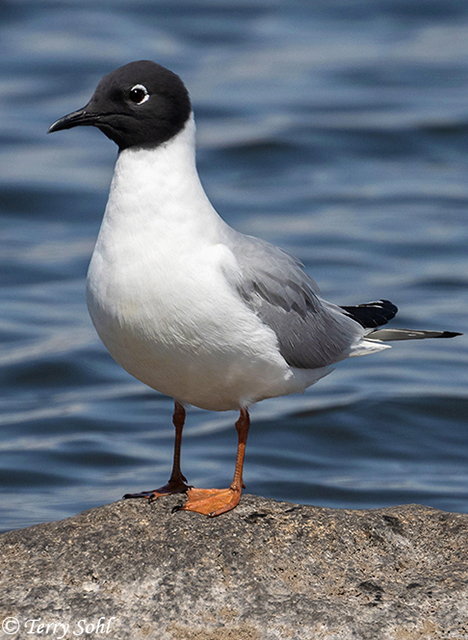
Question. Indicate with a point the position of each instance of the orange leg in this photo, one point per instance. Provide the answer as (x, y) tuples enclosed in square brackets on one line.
[(177, 482), (213, 502)]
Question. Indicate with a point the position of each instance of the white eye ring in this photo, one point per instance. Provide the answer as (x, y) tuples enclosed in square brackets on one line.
[(139, 89)]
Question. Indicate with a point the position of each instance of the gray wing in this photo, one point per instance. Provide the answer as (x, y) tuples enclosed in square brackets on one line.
[(311, 332)]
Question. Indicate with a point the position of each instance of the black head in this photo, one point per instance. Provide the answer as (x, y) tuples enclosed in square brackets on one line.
[(139, 104)]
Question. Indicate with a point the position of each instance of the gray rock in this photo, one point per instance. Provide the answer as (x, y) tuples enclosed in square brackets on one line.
[(265, 570)]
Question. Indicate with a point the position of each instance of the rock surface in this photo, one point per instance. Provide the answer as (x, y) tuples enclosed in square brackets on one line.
[(265, 570)]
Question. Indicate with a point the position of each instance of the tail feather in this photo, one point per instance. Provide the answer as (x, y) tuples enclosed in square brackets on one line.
[(387, 335)]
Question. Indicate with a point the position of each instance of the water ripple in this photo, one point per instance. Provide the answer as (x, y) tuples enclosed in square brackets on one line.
[(337, 130)]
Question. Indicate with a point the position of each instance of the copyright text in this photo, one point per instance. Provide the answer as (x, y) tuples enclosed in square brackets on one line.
[(37, 626)]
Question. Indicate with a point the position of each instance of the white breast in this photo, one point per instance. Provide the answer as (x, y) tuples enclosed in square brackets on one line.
[(157, 294)]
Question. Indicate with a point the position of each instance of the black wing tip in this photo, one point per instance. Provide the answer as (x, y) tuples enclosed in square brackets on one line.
[(372, 314)]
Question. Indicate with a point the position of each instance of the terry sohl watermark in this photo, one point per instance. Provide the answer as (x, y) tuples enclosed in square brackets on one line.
[(37, 627)]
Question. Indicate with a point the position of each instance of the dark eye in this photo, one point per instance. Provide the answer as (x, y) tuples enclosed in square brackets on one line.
[(139, 94)]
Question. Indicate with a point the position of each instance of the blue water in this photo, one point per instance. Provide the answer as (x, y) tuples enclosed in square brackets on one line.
[(337, 129)]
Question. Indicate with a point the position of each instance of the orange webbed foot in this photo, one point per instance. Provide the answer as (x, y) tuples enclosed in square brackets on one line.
[(211, 502)]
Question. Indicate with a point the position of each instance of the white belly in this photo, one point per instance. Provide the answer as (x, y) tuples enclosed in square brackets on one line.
[(183, 331)]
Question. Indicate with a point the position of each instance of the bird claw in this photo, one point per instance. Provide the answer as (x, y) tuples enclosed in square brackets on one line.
[(179, 486), (142, 494)]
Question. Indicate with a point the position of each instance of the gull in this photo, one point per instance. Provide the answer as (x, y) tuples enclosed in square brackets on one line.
[(194, 309)]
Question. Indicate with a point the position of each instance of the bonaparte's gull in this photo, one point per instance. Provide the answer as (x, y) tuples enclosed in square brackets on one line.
[(188, 305)]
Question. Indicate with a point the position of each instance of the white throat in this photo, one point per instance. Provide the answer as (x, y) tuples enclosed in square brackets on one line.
[(160, 189)]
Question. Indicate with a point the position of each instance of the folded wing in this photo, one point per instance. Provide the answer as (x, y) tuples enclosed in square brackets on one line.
[(311, 332)]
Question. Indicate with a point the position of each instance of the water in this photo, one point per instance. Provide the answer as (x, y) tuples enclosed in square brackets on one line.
[(336, 129)]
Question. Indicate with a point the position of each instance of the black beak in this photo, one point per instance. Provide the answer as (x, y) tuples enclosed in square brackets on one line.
[(80, 118)]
